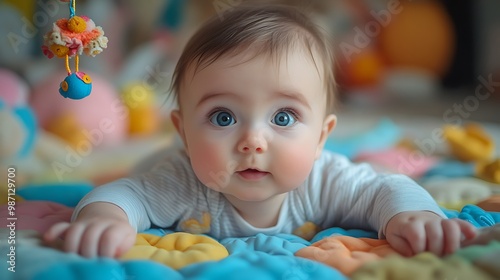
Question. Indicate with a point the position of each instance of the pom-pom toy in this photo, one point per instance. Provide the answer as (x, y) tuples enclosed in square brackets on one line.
[(70, 38), (470, 143)]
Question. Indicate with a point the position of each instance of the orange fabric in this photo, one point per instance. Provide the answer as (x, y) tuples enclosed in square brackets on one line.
[(346, 253), (490, 204), (85, 37)]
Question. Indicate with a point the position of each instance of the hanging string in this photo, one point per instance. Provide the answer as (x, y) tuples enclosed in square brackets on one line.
[(72, 11), (67, 65), (72, 8)]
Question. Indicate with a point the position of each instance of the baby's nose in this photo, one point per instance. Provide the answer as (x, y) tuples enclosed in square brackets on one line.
[(253, 143)]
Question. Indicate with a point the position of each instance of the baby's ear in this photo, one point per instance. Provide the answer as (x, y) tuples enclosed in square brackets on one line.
[(176, 117), (328, 126)]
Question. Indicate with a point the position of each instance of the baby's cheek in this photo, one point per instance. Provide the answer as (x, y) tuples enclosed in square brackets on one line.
[(296, 165), (211, 167)]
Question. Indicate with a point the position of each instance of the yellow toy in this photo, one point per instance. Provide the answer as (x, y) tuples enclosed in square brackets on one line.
[(307, 231), (470, 143), (143, 114), (176, 250), (489, 171)]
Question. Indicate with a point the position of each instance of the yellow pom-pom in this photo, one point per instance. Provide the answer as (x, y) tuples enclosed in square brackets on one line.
[(176, 250), (307, 231), (77, 24), (489, 171), (470, 143), (143, 116), (59, 50)]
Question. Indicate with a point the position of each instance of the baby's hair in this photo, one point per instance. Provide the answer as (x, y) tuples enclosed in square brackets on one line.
[(271, 30)]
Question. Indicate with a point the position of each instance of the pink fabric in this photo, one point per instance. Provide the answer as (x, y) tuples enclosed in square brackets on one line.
[(13, 90), (399, 160), (101, 115), (36, 215)]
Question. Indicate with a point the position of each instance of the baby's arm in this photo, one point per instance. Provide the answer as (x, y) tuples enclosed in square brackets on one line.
[(414, 232), (100, 229)]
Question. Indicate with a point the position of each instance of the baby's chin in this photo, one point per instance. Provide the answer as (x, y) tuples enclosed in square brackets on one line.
[(250, 196)]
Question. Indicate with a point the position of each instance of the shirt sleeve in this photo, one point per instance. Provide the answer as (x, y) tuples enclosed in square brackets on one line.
[(355, 196), (158, 197)]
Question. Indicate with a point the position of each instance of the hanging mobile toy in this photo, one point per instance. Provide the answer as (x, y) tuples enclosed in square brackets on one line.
[(70, 38)]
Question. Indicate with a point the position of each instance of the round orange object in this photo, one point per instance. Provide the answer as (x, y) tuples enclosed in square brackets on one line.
[(64, 85), (77, 24), (87, 79), (421, 36), (59, 50), (367, 68), (363, 69)]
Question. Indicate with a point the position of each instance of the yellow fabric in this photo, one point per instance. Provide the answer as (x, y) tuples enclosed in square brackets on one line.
[(143, 115), (177, 249), (489, 171), (489, 263), (196, 227), (307, 231), (470, 143), (422, 266)]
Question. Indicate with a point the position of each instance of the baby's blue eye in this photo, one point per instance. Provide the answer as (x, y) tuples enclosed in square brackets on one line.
[(284, 118), (222, 118)]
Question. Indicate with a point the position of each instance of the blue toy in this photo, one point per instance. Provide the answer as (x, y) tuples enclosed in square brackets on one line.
[(76, 86), (70, 38)]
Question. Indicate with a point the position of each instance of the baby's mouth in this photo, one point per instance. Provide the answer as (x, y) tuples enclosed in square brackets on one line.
[(251, 174)]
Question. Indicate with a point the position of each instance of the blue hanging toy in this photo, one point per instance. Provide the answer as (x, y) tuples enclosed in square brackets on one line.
[(70, 38)]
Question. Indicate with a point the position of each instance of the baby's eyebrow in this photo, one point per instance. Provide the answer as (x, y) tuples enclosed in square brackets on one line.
[(288, 94), (212, 95), (294, 95)]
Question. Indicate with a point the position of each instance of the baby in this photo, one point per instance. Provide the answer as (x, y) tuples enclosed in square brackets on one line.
[(255, 93)]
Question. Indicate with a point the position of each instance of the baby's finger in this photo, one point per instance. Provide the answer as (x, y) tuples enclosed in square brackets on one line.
[(110, 241), (127, 243), (115, 247), (90, 240), (55, 231), (73, 237), (467, 229), (415, 235), (452, 235), (434, 237), (401, 246)]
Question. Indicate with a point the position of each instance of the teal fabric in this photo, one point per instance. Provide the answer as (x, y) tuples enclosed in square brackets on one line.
[(254, 257), (68, 194), (383, 135)]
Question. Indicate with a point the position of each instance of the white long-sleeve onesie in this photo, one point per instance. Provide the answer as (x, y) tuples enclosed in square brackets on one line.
[(336, 193)]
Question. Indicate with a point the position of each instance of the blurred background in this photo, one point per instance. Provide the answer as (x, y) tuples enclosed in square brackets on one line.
[(415, 56), (407, 60)]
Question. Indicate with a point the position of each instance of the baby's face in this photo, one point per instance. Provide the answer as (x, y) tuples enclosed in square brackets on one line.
[(254, 129)]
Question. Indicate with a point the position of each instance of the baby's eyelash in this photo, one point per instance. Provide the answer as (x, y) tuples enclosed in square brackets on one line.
[(216, 110), (291, 111)]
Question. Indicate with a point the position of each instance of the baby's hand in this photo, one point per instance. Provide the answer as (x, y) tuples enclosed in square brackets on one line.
[(411, 233), (93, 237), (100, 229)]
